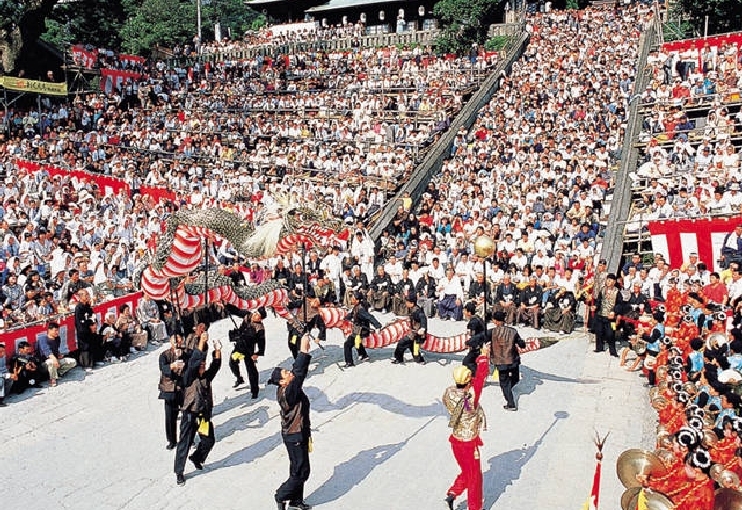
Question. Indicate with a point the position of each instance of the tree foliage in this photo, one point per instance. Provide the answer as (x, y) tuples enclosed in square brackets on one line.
[(86, 22), (463, 22), (233, 15), (723, 15)]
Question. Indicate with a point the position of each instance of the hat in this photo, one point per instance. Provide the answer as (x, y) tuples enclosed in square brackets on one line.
[(275, 377), (461, 375)]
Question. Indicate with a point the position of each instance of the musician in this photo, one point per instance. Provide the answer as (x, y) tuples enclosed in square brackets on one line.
[(605, 315), (380, 290), (417, 335), (698, 491), (249, 346), (529, 299), (506, 297), (403, 287), (475, 328), (361, 320)]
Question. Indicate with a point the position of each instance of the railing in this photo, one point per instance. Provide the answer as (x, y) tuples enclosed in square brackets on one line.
[(621, 204), (414, 37), (442, 148)]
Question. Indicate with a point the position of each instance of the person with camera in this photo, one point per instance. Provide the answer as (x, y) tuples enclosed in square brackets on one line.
[(172, 362), (466, 421), (198, 403), (249, 344), (295, 427), (31, 370)]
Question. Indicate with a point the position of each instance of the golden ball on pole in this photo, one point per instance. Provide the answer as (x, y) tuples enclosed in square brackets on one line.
[(484, 246)]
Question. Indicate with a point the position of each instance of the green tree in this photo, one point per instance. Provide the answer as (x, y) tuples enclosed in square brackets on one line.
[(154, 22), (723, 15), (463, 22), (233, 15), (86, 22), (21, 23)]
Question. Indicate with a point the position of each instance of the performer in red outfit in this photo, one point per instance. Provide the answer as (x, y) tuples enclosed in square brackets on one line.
[(698, 492), (467, 419)]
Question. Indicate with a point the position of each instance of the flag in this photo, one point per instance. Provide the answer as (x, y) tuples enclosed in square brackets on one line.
[(641, 502), (592, 500)]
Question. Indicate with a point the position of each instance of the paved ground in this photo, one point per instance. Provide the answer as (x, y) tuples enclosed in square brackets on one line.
[(380, 435)]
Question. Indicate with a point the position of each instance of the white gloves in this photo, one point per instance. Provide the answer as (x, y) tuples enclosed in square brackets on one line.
[(421, 331), (217, 345)]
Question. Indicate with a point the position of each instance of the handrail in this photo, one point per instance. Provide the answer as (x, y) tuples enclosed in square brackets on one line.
[(620, 209), (442, 148)]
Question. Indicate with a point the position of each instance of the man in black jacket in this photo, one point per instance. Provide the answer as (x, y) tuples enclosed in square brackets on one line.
[(295, 427), (249, 345), (475, 327), (172, 362), (504, 354), (198, 403), (361, 320), (85, 331), (417, 335)]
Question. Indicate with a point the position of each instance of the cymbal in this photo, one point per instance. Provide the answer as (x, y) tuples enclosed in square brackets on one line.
[(728, 499), (665, 455), (627, 496), (709, 438), (638, 462), (655, 501)]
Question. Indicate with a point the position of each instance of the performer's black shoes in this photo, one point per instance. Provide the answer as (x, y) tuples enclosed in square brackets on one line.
[(280, 505), (449, 501), (510, 408), (348, 365), (298, 506), (397, 362), (170, 446), (180, 479), (239, 382), (196, 463), (363, 358)]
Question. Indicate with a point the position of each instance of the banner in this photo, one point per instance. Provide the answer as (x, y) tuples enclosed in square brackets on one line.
[(677, 239), (112, 79), (84, 58), (66, 322), (38, 87)]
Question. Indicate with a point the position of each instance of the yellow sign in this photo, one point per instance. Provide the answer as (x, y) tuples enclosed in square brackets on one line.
[(39, 87)]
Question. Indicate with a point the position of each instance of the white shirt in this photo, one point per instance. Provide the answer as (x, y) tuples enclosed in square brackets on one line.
[(452, 286)]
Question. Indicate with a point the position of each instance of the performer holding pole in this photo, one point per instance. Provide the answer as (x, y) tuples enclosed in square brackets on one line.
[(362, 321), (198, 404), (467, 419), (295, 427), (417, 335)]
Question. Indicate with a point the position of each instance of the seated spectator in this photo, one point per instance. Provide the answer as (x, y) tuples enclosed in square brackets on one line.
[(48, 349), (30, 369)]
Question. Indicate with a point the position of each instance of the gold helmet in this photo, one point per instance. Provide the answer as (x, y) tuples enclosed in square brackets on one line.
[(461, 375)]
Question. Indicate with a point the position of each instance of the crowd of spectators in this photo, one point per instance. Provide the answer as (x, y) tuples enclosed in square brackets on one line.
[(689, 163), (344, 128)]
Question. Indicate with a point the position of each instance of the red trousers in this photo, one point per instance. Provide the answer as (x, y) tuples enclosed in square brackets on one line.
[(470, 478)]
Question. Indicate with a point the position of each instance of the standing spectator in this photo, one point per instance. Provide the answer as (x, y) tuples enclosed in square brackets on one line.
[(88, 344)]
